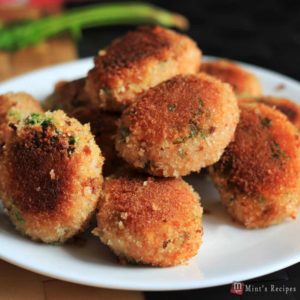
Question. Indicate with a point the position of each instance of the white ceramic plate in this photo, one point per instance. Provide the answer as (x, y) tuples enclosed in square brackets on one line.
[(229, 252)]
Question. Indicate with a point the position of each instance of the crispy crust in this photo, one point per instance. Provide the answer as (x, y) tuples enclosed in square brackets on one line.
[(52, 177), (71, 98), (244, 83), (150, 220), (258, 174), (286, 106), (68, 96), (33, 156), (137, 61), (104, 128), (13, 107), (179, 126)]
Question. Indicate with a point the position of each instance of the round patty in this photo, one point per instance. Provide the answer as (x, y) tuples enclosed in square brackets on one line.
[(137, 61), (156, 221), (178, 126), (244, 83), (52, 176), (258, 174)]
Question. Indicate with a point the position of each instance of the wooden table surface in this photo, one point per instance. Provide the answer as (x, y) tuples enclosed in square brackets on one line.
[(20, 284)]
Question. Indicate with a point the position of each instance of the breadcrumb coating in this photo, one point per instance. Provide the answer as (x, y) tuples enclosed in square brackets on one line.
[(68, 96), (14, 107), (147, 220), (244, 83), (137, 61), (178, 126), (286, 106), (104, 128), (72, 99), (52, 176), (258, 174)]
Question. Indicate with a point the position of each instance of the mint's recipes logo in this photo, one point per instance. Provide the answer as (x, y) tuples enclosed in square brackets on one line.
[(237, 288), (240, 288)]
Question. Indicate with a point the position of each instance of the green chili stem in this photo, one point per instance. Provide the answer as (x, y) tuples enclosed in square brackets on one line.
[(30, 33)]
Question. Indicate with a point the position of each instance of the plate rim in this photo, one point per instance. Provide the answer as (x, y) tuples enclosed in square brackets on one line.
[(193, 284)]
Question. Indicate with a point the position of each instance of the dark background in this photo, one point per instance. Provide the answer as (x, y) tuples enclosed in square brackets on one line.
[(265, 33)]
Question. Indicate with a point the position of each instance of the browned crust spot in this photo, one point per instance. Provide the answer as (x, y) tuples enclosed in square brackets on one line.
[(141, 201), (289, 111), (68, 96), (134, 47), (286, 106), (130, 53), (265, 154), (104, 128), (40, 172), (171, 108), (242, 81)]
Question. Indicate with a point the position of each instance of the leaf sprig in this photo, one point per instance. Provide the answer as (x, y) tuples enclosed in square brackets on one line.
[(14, 37)]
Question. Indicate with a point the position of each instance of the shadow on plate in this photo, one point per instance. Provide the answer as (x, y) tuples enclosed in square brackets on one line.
[(214, 212)]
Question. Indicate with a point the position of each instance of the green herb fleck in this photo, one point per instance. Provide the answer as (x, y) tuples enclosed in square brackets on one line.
[(124, 132), (36, 119), (72, 140), (179, 140), (47, 122), (276, 151), (33, 119), (17, 214), (200, 107), (266, 122), (194, 130), (14, 113), (181, 153), (171, 107), (19, 217), (203, 134), (261, 199)]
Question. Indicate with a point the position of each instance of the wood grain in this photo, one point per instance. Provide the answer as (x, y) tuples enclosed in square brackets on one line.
[(52, 51), (19, 284)]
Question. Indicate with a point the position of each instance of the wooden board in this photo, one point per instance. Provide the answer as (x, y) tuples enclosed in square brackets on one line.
[(50, 52), (19, 284), (53, 51)]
